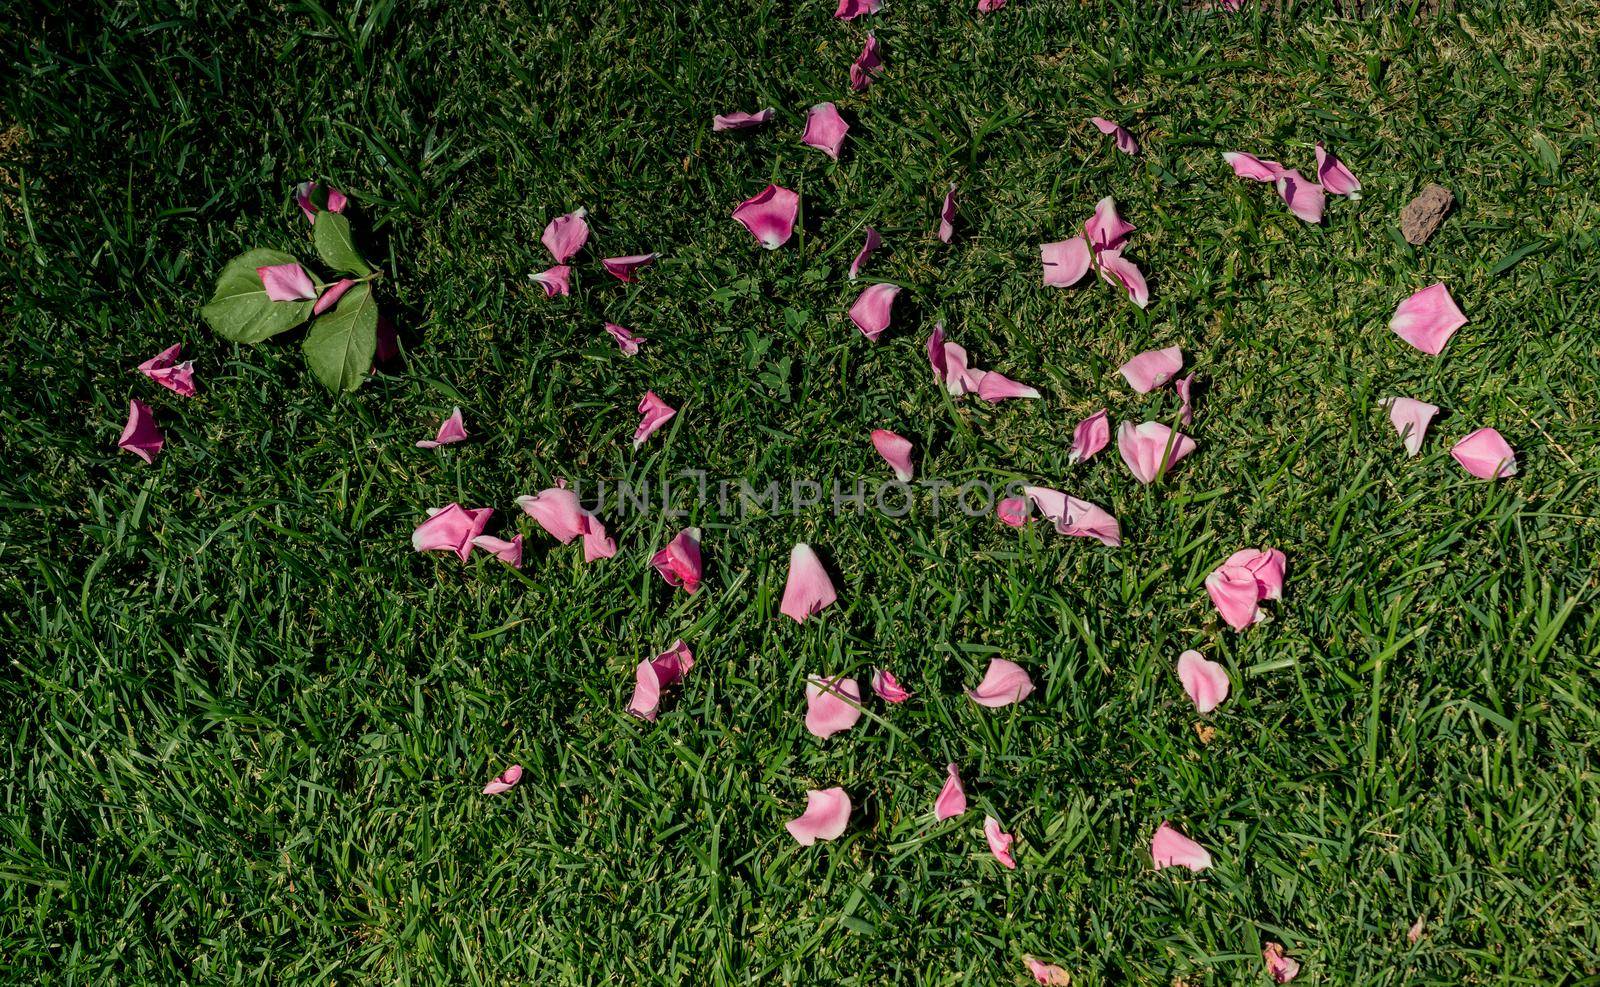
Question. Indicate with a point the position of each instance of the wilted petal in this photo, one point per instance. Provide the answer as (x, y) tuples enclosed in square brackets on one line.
[(140, 435), (451, 529), (1004, 683), (1116, 269), (1250, 166), (1280, 968), (556, 281), (331, 295), (871, 310), (896, 451), (832, 706), (566, 235), (450, 430), (653, 413), (741, 120), (1012, 511), (1125, 141), (1091, 435), (1047, 973), (867, 64), (679, 563), (1410, 418), (504, 781), (947, 215), (809, 589), (769, 215), (509, 552), (872, 243), (1428, 319), (1105, 230), (1205, 681), (626, 341), (1486, 455), (1334, 176), (1171, 848), (825, 129), (888, 687), (1152, 368), (1150, 449), (1185, 389), (1065, 261), (1236, 594), (995, 387), (952, 800), (286, 283), (1304, 199), (849, 10), (164, 369), (650, 677), (627, 268), (999, 842), (826, 816)]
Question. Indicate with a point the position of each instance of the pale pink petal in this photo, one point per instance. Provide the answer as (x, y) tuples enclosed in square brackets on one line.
[(867, 65), (1152, 368), (557, 511), (627, 268), (947, 215), (596, 543), (1004, 683), (164, 369), (872, 243), (1280, 968), (509, 552), (1151, 449), (336, 200), (999, 842), (650, 677), (140, 435), (1116, 269), (1065, 261), (1250, 166), (849, 10), (654, 413), (1428, 319), (1205, 681), (1091, 435), (1236, 594), (1052, 504), (679, 563), (626, 341), (504, 781), (871, 310), (451, 529), (995, 387), (826, 816), (960, 378), (331, 295), (1486, 455), (1105, 230), (832, 705), (1410, 418), (809, 589), (1125, 140), (1171, 848), (555, 281), (286, 283), (769, 215), (1334, 176), (888, 687), (566, 235), (1012, 511), (1268, 566), (1185, 389), (1305, 199), (741, 120), (952, 799), (1085, 520), (896, 451), (825, 129), (450, 430), (1047, 973)]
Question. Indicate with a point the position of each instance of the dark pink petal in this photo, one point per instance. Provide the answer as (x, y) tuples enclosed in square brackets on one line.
[(1004, 683), (1410, 418), (1236, 595), (556, 281), (653, 413), (999, 842), (1065, 261), (988, 6), (832, 705), (1076, 518), (1280, 968), (1151, 449), (870, 245), (1047, 973), (947, 215), (557, 511), (1334, 176), (504, 781), (305, 196), (331, 295), (952, 799), (287, 283), (451, 529), (164, 369), (1105, 230), (1125, 140), (1486, 455), (509, 552), (1205, 681), (626, 341), (1152, 368), (826, 816), (1171, 848), (1116, 269), (825, 130), (769, 215), (809, 589), (1012, 511), (867, 66), (1428, 319), (336, 200), (849, 10), (450, 430), (1185, 389), (140, 435), (1091, 435), (1304, 199), (888, 687), (936, 356), (1250, 166), (740, 120), (679, 563), (896, 451), (995, 387), (627, 268), (661, 672), (872, 309), (566, 235)]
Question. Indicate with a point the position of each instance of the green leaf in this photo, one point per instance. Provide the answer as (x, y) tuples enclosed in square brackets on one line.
[(331, 234), (342, 343), (240, 309)]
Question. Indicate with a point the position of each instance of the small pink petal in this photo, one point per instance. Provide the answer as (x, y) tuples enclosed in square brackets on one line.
[(995, 387), (504, 781), (961, 379), (1250, 166), (1410, 418), (1105, 230), (1428, 319), (1004, 683), (769, 215), (888, 687), (1268, 566), (1205, 681), (947, 215), (1151, 449), (305, 198), (1185, 389), (336, 200), (1047, 973), (627, 268), (832, 705), (825, 129), (679, 563), (140, 435), (1116, 269), (872, 309), (872, 243), (1152, 368), (849, 10), (331, 295), (451, 529), (164, 369), (999, 842), (952, 799), (809, 589), (1280, 968), (1091, 435), (450, 430), (1065, 261), (989, 6), (650, 677), (1334, 176), (1236, 595), (557, 511), (826, 816), (1304, 199), (741, 120), (1171, 848), (1012, 511), (626, 341), (936, 354), (1074, 517), (509, 552), (1486, 455), (566, 235), (896, 451), (1125, 140), (654, 413), (867, 66), (555, 281), (286, 283)]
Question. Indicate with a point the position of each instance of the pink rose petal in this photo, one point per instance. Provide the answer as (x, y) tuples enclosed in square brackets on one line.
[(999, 842), (1074, 517), (555, 281), (989, 6), (1334, 176), (947, 215), (1065, 261), (952, 799), (504, 781), (1151, 449), (896, 451), (867, 66), (140, 435), (1305, 199), (627, 268), (868, 248), (769, 215), (305, 196), (451, 529), (1410, 418), (832, 705), (566, 235), (1205, 681), (872, 309), (1012, 511), (849, 10), (1091, 435), (826, 816), (679, 563), (995, 387), (1185, 387), (450, 430), (650, 677), (331, 295), (809, 589), (1486, 455), (1428, 319), (164, 369), (653, 413), (741, 120), (557, 511), (1280, 968), (825, 129), (1246, 578), (1152, 368), (888, 687), (509, 552), (1124, 140), (1249, 166), (626, 341), (1171, 848), (286, 283), (1106, 230), (1004, 683), (1047, 973), (1116, 269)]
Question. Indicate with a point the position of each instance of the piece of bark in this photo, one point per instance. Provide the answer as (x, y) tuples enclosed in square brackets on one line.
[(1421, 219)]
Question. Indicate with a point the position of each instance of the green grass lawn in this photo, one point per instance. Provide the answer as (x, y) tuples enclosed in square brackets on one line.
[(246, 725)]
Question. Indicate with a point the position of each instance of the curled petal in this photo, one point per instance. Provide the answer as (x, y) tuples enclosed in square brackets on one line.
[(1334, 176), (566, 235), (947, 215), (627, 268), (504, 781), (1267, 566), (509, 552), (626, 341), (999, 842), (651, 676), (331, 295), (1250, 166), (1086, 520), (1151, 449), (1125, 140), (679, 563), (1236, 595), (809, 589), (1004, 683), (1091, 435), (989, 6), (826, 816), (1116, 269), (1304, 199), (308, 194), (769, 215), (1428, 319), (1171, 848), (1152, 368), (888, 687), (1410, 418), (849, 10), (1065, 261), (741, 120), (1012, 511), (825, 129), (653, 413), (557, 511), (286, 283), (451, 529), (995, 387), (555, 281), (1047, 973), (450, 430), (1486, 455), (872, 309), (832, 705), (870, 246), (1280, 968), (1105, 230), (1205, 681), (952, 800), (896, 451), (867, 66), (140, 435), (165, 369), (1185, 389)]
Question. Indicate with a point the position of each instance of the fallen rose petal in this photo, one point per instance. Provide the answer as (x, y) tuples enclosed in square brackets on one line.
[(769, 215), (832, 705), (1047, 973), (451, 529), (849, 10), (1012, 511), (1280, 968), (556, 281), (1267, 567), (1334, 176), (867, 65), (872, 243), (1105, 230), (651, 676), (988, 6), (1151, 449), (825, 129), (888, 687), (1205, 681), (1428, 319), (626, 341), (961, 379), (1236, 595), (872, 309), (947, 215), (1185, 387), (1486, 455), (996, 387), (999, 842), (509, 552), (1004, 683), (1125, 140), (1304, 199), (566, 235), (1171, 848), (1250, 166), (627, 268), (1065, 261), (1091, 435), (741, 120), (826, 816), (679, 563), (140, 435), (1410, 418), (809, 589), (1116, 269), (305, 196), (164, 369), (1085, 520), (896, 451), (331, 295), (450, 430), (557, 511), (654, 413), (952, 798), (286, 283), (1152, 368), (504, 781)]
